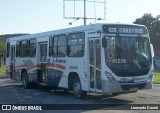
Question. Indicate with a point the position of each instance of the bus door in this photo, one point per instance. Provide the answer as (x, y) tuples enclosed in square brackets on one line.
[(43, 62), (95, 64), (12, 62)]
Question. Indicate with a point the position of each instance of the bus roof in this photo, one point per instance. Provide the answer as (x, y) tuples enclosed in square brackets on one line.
[(97, 26)]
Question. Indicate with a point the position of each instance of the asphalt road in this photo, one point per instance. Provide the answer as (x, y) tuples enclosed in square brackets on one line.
[(12, 92)]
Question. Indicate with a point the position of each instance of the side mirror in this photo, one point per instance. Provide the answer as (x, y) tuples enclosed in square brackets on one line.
[(152, 50), (104, 42)]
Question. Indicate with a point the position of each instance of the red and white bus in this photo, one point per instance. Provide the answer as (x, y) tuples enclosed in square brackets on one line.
[(101, 58)]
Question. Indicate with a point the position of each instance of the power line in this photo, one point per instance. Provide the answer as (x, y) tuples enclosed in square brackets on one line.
[(75, 17)]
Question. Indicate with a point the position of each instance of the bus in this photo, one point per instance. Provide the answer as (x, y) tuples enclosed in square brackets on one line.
[(100, 58)]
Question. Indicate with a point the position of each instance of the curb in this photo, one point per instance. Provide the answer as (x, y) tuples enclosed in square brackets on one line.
[(157, 85), (3, 74)]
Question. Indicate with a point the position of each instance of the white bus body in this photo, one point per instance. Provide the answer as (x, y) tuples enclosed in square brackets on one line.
[(103, 58)]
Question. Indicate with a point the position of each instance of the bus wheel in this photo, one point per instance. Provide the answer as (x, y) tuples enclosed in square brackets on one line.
[(77, 89), (115, 94), (25, 81)]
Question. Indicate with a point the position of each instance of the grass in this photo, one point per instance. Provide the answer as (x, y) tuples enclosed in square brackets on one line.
[(156, 77), (3, 69)]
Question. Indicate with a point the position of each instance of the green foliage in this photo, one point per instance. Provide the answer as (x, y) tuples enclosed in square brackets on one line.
[(153, 25), (2, 46), (156, 78), (11, 35), (3, 69), (3, 39)]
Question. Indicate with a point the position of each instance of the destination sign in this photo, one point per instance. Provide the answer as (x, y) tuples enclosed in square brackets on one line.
[(124, 29)]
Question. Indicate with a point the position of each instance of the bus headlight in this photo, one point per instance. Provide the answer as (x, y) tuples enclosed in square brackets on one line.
[(110, 77)]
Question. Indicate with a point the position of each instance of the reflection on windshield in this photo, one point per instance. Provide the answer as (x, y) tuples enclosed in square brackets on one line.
[(128, 56)]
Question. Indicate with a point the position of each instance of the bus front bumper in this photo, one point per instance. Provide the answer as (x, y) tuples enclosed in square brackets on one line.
[(115, 87)]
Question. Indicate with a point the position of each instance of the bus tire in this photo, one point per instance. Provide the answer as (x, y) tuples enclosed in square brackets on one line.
[(77, 89), (25, 81), (115, 94)]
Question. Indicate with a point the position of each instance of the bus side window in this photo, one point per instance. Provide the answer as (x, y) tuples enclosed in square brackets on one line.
[(76, 44), (17, 49), (62, 46), (24, 48), (8, 49), (54, 45), (50, 46), (59, 46), (32, 48)]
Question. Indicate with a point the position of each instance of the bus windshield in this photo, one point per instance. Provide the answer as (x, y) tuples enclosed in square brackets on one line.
[(128, 55)]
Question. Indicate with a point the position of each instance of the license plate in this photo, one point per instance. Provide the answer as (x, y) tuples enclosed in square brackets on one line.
[(133, 89)]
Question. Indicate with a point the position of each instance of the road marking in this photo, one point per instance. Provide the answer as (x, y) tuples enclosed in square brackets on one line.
[(28, 97), (38, 93), (22, 100), (17, 94)]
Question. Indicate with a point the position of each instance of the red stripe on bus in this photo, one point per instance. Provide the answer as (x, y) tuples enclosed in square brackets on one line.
[(57, 66), (21, 66), (34, 66)]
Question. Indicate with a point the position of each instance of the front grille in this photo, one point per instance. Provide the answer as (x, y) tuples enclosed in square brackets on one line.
[(128, 87)]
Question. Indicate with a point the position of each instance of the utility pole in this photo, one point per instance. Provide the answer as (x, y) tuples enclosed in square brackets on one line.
[(84, 7), (85, 12)]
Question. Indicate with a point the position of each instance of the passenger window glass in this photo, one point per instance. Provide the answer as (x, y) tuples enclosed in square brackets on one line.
[(75, 45), (24, 48), (32, 48), (59, 46)]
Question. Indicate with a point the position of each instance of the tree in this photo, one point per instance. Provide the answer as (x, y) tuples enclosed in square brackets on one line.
[(3, 39), (153, 25), (2, 46), (2, 49)]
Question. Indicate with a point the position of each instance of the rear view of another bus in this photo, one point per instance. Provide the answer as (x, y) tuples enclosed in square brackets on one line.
[(128, 58)]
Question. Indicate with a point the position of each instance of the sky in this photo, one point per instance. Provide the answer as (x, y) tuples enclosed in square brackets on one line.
[(34, 16)]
